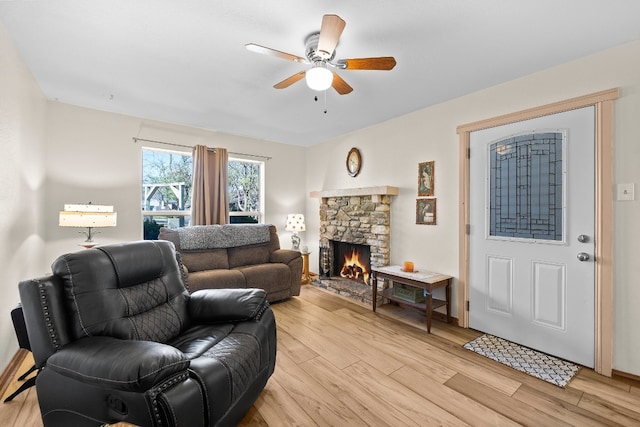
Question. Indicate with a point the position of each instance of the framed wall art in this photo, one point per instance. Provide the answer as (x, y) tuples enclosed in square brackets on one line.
[(426, 211), (426, 182)]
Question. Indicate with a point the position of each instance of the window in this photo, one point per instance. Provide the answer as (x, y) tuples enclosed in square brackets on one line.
[(166, 190), (246, 198), (526, 187)]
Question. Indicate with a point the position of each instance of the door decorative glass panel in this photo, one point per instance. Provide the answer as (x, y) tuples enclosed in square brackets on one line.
[(526, 186)]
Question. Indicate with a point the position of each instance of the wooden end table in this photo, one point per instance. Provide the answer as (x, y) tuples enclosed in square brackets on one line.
[(306, 277), (420, 278)]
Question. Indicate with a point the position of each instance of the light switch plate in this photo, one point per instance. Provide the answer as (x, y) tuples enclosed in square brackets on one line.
[(626, 192)]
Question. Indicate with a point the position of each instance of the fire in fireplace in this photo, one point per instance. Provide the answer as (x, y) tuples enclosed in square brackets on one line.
[(354, 269), (352, 261)]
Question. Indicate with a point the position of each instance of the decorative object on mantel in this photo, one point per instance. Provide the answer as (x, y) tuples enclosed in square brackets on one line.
[(354, 162), (426, 211), (87, 216), (295, 223), (426, 179)]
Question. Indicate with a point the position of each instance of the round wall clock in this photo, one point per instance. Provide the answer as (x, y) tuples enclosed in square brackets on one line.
[(354, 162)]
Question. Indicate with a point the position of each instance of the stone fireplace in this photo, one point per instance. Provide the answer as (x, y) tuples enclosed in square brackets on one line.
[(361, 219)]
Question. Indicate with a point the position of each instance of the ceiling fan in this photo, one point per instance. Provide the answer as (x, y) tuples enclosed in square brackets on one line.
[(320, 52)]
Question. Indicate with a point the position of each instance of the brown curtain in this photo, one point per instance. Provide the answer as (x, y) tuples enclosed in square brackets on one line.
[(209, 200)]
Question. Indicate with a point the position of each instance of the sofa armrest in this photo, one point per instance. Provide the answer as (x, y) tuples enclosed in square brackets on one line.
[(118, 364), (227, 305), (284, 256)]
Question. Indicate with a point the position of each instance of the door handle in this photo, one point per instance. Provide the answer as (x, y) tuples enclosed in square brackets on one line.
[(583, 256)]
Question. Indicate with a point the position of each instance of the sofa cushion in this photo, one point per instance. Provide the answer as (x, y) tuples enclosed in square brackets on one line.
[(216, 279), (205, 260), (270, 277), (248, 255), (170, 235)]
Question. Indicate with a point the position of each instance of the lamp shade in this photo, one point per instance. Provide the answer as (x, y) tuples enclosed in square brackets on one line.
[(87, 216), (295, 223), (319, 78)]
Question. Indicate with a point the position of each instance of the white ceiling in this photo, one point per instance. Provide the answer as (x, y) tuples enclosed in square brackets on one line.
[(185, 62)]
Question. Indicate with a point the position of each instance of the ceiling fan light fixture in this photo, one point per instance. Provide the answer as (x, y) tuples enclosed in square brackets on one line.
[(319, 78)]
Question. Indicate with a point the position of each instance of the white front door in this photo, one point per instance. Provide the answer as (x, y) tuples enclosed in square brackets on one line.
[(531, 267)]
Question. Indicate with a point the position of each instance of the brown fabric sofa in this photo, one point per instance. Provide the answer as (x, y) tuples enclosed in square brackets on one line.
[(237, 256)]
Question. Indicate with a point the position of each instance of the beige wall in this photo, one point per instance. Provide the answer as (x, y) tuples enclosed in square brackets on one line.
[(392, 150), (22, 112)]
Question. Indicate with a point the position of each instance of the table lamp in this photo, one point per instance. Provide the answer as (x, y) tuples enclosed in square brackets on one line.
[(295, 223), (88, 216)]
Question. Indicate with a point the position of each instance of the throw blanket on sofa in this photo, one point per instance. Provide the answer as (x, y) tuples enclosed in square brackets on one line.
[(222, 236)]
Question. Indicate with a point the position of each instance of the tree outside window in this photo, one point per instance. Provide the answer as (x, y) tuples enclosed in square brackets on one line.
[(244, 191), (166, 180)]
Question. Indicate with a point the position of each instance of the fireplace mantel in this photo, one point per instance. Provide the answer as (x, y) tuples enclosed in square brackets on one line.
[(382, 190)]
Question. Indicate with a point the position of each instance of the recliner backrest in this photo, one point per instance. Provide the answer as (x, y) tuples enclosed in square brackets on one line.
[(128, 291)]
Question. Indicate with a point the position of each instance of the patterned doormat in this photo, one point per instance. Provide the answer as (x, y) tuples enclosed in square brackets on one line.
[(548, 368)]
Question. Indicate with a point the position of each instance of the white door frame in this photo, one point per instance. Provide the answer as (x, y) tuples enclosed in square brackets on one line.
[(603, 103)]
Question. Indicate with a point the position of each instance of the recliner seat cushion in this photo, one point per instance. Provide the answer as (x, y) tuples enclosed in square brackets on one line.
[(114, 363)]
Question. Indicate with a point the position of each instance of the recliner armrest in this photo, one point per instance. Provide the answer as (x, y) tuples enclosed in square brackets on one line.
[(118, 364), (284, 256), (227, 305)]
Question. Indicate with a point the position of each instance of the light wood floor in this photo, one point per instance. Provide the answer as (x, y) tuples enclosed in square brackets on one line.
[(339, 364)]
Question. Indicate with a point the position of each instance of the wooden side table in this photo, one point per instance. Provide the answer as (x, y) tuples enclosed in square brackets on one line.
[(422, 279), (306, 278)]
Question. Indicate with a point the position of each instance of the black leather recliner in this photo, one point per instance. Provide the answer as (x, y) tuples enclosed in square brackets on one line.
[(117, 337)]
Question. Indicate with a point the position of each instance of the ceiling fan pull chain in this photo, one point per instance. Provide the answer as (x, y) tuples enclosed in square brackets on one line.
[(325, 102)]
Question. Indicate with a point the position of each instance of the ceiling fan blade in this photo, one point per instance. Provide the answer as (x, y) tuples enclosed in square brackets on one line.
[(332, 26), (381, 63), (289, 80), (272, 52), (340, 85)]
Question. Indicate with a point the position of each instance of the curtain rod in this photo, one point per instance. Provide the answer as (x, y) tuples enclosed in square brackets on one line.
[(136, 139)]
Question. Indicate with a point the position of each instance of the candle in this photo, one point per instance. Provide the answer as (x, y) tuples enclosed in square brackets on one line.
[(408, 266)]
